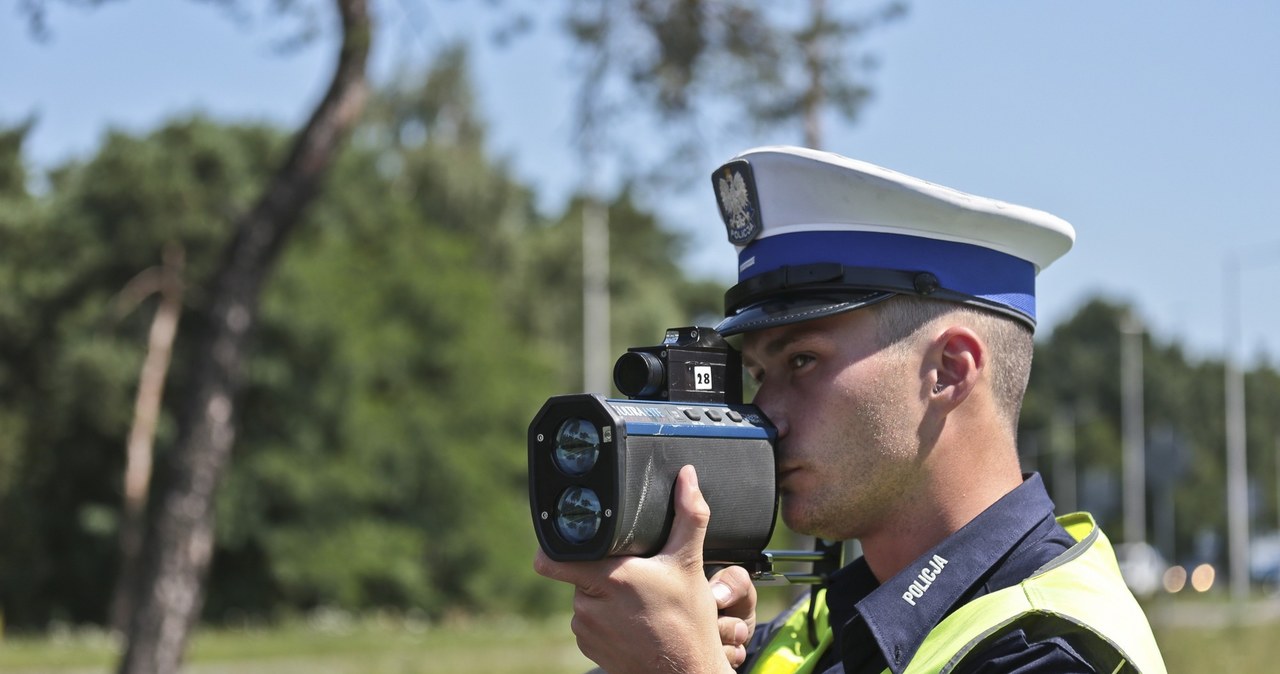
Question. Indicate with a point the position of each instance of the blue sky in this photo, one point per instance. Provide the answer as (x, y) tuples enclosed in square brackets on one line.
[(1153, 127)]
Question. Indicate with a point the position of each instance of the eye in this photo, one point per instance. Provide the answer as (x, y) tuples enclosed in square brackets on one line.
[(799, 360)]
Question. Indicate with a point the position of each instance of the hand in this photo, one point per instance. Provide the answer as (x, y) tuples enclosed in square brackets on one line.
[(736, 598), (655, 614)]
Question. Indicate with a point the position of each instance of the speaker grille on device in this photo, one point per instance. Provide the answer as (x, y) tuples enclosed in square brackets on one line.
[(736, 477)]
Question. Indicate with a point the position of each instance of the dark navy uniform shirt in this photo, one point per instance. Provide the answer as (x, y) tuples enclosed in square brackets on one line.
[(879, 626)]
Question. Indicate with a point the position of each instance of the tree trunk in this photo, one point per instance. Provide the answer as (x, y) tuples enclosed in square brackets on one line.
[(180, 537), (146, 414)]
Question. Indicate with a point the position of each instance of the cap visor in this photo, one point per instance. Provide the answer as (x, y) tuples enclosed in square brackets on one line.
[(777, 311)]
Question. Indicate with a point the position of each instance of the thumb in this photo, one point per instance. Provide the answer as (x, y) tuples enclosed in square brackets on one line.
[(689, 529)]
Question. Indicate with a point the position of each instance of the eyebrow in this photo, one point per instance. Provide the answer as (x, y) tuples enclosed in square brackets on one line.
[(781, 342)]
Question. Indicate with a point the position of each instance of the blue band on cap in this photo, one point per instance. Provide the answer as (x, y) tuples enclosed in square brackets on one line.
[(980, 272)]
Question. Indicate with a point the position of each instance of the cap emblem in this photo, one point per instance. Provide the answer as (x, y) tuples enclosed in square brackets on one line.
[(739, 207)]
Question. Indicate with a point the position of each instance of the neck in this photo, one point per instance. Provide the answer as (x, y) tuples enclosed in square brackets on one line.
[(958, 486)]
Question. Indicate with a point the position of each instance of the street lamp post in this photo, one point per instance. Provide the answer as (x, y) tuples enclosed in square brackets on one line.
[(1237, 475), (1237, 480)]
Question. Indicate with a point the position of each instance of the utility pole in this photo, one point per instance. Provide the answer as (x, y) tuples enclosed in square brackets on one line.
[(1133, 423), (1236, 438), (595, 295), (1237, 477), (591, 143)]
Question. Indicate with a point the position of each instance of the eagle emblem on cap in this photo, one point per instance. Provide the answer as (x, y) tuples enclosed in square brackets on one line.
[(735, 193)]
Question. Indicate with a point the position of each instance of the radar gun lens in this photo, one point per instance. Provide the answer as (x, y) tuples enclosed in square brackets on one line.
[(577, 447), (578, 515)]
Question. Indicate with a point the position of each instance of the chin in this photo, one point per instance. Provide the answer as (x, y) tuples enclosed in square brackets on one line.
[(796, 516), (806, 518)]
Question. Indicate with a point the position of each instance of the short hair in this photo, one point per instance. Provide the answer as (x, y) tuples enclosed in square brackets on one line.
[(1010, 341)]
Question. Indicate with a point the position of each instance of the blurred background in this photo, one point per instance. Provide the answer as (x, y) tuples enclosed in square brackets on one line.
[(425, 287)]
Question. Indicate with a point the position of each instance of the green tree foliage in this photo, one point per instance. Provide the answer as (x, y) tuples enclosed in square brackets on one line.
[(405, 485), (1076, 382), (70, 363), (414, 326)]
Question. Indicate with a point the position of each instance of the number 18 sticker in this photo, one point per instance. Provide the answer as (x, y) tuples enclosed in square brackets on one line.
[(702, 377)]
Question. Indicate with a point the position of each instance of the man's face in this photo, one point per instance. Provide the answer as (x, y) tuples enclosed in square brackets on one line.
[(847, 414)]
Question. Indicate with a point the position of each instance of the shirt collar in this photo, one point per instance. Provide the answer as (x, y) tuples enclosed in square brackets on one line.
[(901, 612)]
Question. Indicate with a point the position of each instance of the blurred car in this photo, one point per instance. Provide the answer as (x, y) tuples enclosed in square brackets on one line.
[(1142, 567), (1264, 560)]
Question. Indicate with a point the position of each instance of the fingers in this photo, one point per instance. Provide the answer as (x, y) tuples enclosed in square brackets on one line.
[(735, 594), (548, 568), (735, 598), (736, 655), (689, 529), (733, 632), (588, 577)]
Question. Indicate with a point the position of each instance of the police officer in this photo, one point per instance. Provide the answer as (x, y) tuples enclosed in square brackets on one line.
[(889, 324)]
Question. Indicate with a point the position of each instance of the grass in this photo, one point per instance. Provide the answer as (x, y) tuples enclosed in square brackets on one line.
[(328, 646), (1195, 636), (1246, 648), (1207, 634)]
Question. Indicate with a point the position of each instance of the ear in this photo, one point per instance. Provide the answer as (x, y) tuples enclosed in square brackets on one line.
[(958, 356)]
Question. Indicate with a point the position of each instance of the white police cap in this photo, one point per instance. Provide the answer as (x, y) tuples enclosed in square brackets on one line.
[(819, 234)]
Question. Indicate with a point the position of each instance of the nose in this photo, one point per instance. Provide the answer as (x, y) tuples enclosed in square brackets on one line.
[(772, 407)]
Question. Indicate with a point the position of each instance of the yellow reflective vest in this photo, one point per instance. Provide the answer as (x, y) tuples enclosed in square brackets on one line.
[(1079, 593)]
